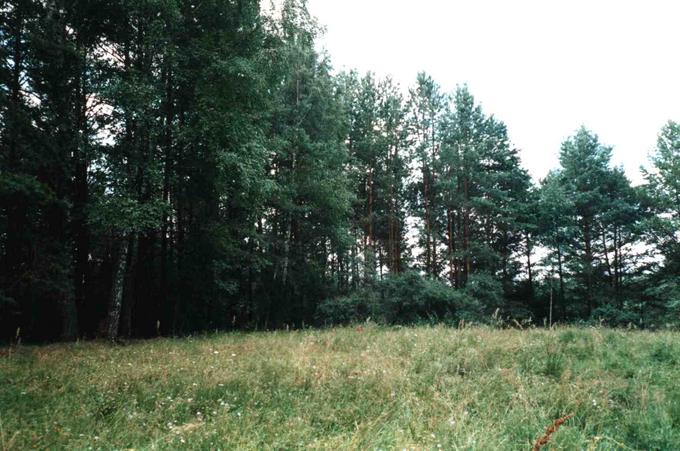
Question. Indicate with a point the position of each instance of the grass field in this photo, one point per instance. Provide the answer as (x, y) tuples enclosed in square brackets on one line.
[(363, 387)]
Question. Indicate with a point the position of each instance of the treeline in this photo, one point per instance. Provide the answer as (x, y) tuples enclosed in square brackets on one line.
[(176, 166)]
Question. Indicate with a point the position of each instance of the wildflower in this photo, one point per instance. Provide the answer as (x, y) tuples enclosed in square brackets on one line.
[(233, 355)]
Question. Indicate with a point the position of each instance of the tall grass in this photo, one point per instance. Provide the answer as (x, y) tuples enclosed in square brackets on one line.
[(348, 388)]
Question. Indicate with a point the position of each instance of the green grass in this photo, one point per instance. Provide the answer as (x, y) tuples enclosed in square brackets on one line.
[(348, 388)]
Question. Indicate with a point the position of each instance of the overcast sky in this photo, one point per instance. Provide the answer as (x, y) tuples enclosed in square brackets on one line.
[(542, 67)]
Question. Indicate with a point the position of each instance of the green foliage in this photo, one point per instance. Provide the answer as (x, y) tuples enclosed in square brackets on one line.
[(487, 290), (124, 215), (22, 186), (613, 316), (184, 166), (661, 230), (589, 217), (402, 299)]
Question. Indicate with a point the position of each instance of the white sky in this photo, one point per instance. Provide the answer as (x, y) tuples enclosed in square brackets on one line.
[(544, 67)]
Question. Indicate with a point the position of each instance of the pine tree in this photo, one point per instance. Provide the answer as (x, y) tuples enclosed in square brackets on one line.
[(426, 106), (662, 229), (307, 221)]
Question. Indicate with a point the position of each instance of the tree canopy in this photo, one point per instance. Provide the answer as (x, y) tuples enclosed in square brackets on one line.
[(178, 166)]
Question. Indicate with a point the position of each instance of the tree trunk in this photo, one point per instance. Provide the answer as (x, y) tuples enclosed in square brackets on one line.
[(369, 249), (286, 248), (617, 266), (17, 208), (606, 259), (117, 285), (433, 181), (529, 269), (563, 304), (69, 318), (128, 291), (428, 225), (466, 232), (167, 157), (452, 247), (588, 264), (80, 190)]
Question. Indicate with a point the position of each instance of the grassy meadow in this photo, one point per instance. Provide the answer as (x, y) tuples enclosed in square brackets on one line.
[(364, 387)]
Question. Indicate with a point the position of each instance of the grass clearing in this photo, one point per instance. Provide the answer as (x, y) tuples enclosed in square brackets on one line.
[(348, 388)]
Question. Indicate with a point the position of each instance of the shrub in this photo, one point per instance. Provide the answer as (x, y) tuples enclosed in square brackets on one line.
[(613, 316), (402, 299), (343, 310), (487, 290)]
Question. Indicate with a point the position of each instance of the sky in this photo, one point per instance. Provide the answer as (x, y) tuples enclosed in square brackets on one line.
[(544, 67)]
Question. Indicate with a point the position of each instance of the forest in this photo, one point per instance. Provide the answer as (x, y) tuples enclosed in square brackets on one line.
[(173, 166)]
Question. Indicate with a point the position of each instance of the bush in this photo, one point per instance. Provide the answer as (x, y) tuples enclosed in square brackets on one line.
[(613, 316), (345, 309), (487, 290), (407, 298)]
